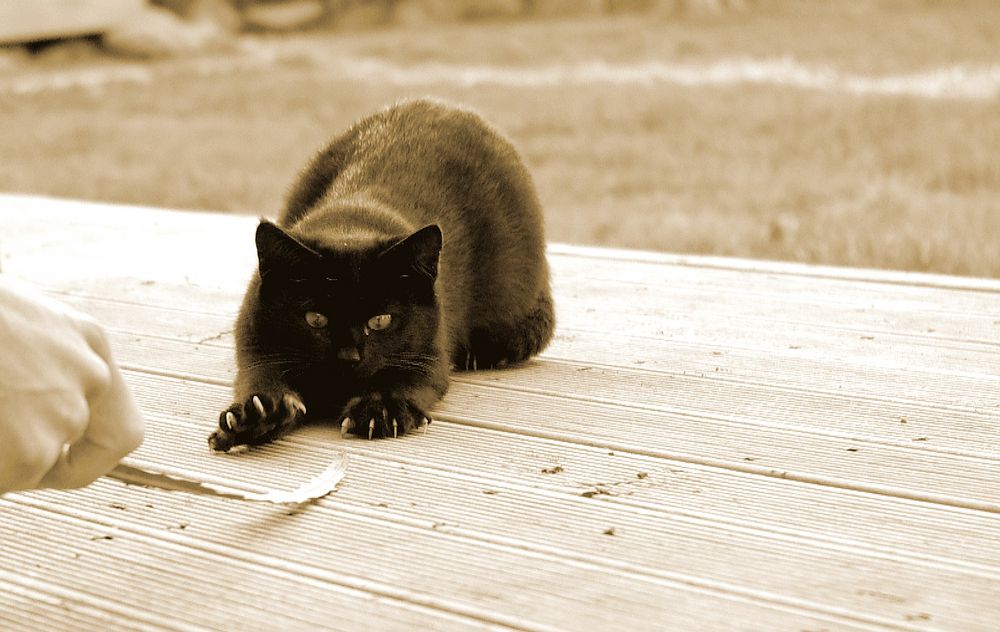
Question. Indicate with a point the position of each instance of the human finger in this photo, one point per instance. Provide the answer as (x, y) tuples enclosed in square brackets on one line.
[(32, 438), (115, 429)]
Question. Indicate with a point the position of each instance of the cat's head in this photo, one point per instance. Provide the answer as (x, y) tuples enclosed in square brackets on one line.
[(363, 305)]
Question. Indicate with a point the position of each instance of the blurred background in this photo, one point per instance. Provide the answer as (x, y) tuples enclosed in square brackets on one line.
[(852, 132)]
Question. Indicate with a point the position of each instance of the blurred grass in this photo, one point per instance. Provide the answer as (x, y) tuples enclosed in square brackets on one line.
[(745, 170), (881, 36)]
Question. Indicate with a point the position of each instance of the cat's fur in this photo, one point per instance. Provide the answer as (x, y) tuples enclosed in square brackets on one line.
[(421, 211)]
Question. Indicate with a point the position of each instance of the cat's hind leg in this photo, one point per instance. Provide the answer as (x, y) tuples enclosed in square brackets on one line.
[(501, 344)]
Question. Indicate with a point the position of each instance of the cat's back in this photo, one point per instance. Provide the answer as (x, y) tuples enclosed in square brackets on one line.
[(416, 124), (434, 142), (444, 164), (419, 154), (436, 162)]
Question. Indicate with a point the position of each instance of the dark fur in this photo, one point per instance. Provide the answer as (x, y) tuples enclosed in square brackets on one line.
[(361, 235)]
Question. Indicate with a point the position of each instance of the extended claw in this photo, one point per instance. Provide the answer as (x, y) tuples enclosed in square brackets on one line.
[(295, 403), (371, 428), (345, 426), (258, 405), (231, 420), (395, 428), (426, 421)]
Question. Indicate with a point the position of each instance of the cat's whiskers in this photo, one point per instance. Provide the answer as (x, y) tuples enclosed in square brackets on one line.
[(273, 362), (423, 367), (283, 365)]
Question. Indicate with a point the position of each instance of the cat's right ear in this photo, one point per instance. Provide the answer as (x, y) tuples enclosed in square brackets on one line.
[(278, 251)]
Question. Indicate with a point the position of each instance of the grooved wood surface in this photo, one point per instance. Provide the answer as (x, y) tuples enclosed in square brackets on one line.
[(708, 444)]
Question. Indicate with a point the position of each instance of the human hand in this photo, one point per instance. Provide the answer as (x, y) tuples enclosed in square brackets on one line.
[(66, 416)]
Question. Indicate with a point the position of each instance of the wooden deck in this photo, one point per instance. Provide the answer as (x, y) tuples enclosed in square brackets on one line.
[(708, 444)]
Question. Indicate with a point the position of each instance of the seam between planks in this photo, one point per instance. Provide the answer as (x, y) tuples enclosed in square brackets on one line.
[(730, 379), (985, 456), (916, 338), (33, 593), (94, 602), (70, 294), (692, 290), (780, 268)]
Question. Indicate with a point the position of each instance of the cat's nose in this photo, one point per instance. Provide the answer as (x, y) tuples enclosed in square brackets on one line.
[(350, 354)]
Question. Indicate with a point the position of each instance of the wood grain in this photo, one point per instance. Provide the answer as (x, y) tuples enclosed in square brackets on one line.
[(708, 444)]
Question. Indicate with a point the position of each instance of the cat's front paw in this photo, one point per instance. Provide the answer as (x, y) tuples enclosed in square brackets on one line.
[(378, 415), (261, 418)]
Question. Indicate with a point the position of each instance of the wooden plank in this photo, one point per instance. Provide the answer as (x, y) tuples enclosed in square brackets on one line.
[(783, 268), (126, 242), (724, 286)]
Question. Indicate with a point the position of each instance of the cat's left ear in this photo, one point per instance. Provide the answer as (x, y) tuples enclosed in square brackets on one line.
[(419, 252)]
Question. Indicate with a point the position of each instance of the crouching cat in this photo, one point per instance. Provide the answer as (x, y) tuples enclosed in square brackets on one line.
[(411, 246)]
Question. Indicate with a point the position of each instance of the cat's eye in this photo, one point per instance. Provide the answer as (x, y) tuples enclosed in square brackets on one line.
[(316, 320), (376, 323)]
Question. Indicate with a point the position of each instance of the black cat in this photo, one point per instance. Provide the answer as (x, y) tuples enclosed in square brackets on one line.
[(412, 245)]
